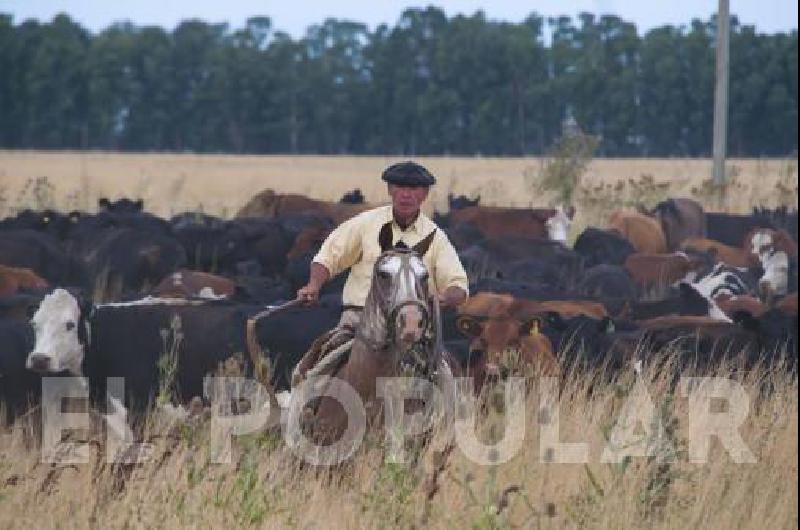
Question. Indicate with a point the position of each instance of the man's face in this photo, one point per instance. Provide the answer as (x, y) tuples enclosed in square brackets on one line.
[(406, 200)]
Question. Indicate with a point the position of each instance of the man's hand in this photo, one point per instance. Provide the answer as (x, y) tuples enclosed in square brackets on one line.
[(317, 277), (309, 294), (452, 297)]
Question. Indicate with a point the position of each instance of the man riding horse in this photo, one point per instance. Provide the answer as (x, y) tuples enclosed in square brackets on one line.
[(356, 245)]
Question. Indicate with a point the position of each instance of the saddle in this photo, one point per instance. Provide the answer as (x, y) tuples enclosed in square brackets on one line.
[(327, 353)]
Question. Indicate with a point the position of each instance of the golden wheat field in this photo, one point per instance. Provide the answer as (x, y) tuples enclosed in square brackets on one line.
[(221, 184), (267, 486)]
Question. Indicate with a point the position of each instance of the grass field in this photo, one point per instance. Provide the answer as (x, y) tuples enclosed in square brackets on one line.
[(267, 487), (221, 184)]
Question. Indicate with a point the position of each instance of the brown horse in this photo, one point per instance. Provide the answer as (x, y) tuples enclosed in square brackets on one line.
[(399, 334)]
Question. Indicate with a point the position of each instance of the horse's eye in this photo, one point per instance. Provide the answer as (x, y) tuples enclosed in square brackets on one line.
[(383, 274), (70, 325)]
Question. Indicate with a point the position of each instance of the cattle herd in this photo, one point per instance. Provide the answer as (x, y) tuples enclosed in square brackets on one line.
[(106, 294)]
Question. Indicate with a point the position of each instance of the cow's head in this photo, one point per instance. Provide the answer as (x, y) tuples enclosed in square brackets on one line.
[(60, 333), (559, 224), (505, 345), (773, 250)]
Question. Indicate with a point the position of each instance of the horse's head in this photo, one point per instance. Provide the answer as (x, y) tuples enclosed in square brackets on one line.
[(398, 313)]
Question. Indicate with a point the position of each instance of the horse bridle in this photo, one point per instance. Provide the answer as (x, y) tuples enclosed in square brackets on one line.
[(391, 314)]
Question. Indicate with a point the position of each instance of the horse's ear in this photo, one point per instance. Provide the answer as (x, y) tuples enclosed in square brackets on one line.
[(385, 237), (422, 247)]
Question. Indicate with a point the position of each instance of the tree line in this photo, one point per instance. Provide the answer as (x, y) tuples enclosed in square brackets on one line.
[(463, 85)]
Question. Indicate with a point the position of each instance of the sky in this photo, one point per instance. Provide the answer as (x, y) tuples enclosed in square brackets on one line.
[(293, 17)]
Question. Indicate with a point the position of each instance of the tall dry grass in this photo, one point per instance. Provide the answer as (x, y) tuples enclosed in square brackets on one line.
[(266, 486), (222, 184)]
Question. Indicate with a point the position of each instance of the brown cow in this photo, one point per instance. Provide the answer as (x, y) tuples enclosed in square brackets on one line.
[(186, 283), (660, 270), (735, 257), (505, 336), (12, 279), (733, 305), (269, 204), (483, 304), (544, 223), (643, 232), (307, 240)]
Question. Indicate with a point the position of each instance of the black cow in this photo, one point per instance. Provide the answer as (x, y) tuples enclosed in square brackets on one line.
[(213, 247), (187, 219), (524, 259), (517, 289), (683, 300), (776, 332), (591, 343), (41, 253), (352, 197), (286, 336), (731, 229), (50, 222), (781, 218), (604, 282), (127, 262), (123, 205), (602, 247), (19, 387), (461, 202), (132, 341)]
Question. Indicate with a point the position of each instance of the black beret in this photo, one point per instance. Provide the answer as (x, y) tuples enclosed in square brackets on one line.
[(408, 174)]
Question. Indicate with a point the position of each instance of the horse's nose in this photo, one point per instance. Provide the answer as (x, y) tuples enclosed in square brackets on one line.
[(39, 362)]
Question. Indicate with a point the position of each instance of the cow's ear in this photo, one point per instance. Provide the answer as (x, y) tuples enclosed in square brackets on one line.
[(469, 326), (385, 237), (103, 203), (139, 204), (422, 247)]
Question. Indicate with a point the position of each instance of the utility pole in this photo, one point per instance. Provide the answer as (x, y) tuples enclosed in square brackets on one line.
[(721, 93)]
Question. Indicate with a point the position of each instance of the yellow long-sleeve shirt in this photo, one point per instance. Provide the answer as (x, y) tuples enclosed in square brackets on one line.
[(354, 245)]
